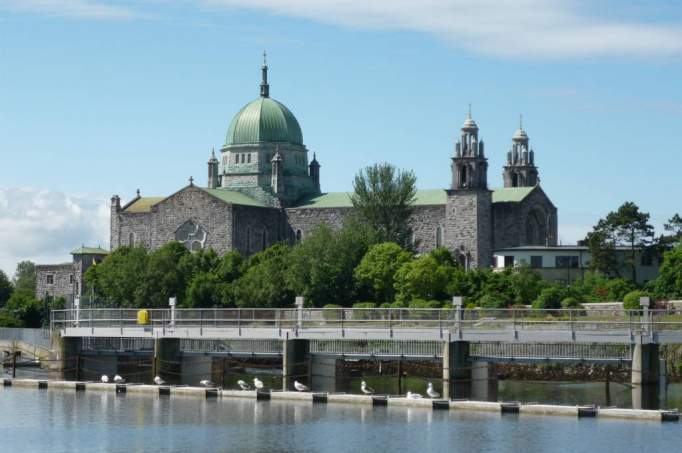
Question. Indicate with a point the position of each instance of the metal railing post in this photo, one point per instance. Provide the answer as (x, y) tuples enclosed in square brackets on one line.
[(239, 321)]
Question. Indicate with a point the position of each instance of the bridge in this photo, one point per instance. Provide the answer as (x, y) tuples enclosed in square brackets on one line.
[(465, 342)]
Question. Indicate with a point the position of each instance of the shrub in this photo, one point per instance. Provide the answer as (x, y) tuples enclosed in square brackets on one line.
[(421, 303), (365, 305), (491, 301), (550, 298), (631, 300), (570, 302), (332, 306)]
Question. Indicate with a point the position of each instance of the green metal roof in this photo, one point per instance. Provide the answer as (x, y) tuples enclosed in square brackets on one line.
[(424, 198), (143, 204), (90, 251), (264, 120), (511, 194), (233, 197)]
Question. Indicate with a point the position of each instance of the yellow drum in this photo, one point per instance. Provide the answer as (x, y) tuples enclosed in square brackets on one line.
[(143, 317)]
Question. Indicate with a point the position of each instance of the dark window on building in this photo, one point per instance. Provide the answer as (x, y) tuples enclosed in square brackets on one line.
[(509, 261), (439, 237), (536, 262), (131, 239), (647, 259), (71, 279), (567, 262), (49, 279), (298, 235), (249, 158)]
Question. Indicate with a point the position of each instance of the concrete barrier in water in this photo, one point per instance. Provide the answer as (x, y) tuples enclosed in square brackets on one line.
[(460, 405)]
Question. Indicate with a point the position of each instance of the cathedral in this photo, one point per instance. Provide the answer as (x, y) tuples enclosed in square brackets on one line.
[(263, 188)]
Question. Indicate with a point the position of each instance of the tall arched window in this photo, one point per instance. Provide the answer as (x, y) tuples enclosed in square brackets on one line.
[(439, 237), (131, 239), (298, 235), (515, 180)]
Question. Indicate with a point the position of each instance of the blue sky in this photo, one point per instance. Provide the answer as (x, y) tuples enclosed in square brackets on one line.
[(101, 97)]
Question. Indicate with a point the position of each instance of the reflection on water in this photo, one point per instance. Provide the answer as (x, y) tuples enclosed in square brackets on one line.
[(61, 421)]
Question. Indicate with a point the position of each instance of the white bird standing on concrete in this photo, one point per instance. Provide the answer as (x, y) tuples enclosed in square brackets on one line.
[(119, 380), (431, 392), (258, 383), (366, 390), (300, 387), (105, 378), (206, 383), (159, 381), (413, 396), (243, 385)]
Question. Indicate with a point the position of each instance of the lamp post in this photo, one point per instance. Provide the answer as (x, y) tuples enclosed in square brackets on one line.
[(171, 303)]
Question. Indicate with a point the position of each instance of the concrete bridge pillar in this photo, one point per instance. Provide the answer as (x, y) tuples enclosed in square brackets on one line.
[(646, 373), (295, 363), (68, 353), (483, 381), (168, 360), (456, 370)]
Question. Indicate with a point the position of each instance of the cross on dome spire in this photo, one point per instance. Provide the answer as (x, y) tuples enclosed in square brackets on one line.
[(264, 87), (520, 120), (469, 110)]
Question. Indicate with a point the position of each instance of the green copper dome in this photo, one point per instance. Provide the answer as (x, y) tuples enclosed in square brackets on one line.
[(264, 120)]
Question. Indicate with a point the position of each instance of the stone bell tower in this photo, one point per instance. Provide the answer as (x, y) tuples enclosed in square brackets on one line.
[(468, 229), (520, 170)]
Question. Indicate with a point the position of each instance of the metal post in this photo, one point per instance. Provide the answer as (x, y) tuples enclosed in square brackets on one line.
[(457, 302), (300, 300), (171, 302), (644, 303), (14, 364)]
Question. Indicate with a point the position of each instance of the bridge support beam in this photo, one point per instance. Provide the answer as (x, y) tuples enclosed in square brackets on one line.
[(646, 372), (68, 350), (168, 360), (483, 381), (295, 363), (456, 370)]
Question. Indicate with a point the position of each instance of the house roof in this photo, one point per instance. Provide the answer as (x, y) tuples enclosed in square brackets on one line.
[(233, 197), (142, 204), (511, 194)]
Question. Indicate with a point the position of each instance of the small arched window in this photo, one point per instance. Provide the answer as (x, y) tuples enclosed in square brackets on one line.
[(298, 235), (439, 237), (248, 159), (131, 239)]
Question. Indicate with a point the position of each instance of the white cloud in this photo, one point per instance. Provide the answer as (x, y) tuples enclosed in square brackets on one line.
[(510, 28), (44, 226), (71, 8)]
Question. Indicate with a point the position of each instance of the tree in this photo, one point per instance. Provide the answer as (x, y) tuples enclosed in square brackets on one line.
[(674, 236), (551, 297), (423, 278), (116, 280), (627, 226), (5, 288), (321, 266), (603, 250), (264, 282), (25, 277), (668, 284), (382, 198), (164, 277), (23, 306), (376, 271)]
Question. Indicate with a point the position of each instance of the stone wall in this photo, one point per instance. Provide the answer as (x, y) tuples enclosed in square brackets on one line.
[(139, 225), (63, 276), (468, 227), (256, 229), (306, 219), (424, 222), (509, 220)]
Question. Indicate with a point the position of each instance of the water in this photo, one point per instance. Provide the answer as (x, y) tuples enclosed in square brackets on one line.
[(64, 421)]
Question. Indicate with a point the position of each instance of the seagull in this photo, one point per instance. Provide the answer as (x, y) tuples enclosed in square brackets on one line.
[(300, 387), (206, 383), (243, 385), (413, 396), (258, 383), (105, 378), (431, 392), (159, 381), (118, 379), (366, 390)]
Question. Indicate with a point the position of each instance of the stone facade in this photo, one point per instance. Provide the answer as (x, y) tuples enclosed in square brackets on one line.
[(513, 222), (67, 280)]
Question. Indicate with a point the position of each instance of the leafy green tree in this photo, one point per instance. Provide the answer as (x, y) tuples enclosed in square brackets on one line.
[(526, 284), (204, 291), (631, 300), (627, 226), (603, 250), (264, 282), (668, 284), (376, 271), (5, 288), (118, 277), (382, 198), (321, 266), (23, 306), (422, 278), (230, 267), (551, 297), (25, 277), (164, 277)]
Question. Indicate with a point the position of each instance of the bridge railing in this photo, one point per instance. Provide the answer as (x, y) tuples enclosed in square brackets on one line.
[(390, 318)]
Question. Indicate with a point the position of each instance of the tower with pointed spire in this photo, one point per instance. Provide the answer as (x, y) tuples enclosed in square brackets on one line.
[(213, 169), (520, 170)]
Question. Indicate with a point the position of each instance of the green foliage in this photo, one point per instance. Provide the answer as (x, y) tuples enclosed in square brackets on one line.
[(25, 277), (5, 288), (365, 305), (492, 301), (24, 307), (375, 273), (117, 279), (264, 282), (526, 284), (382, 198), (163, 277), (58, 304), (7, 319), (669, 282), (550, 297), (631, 300), (570, 302), (321, 266), (423, 278), (204, 291), (332, 306), (421, 303)]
